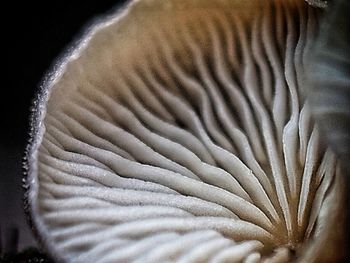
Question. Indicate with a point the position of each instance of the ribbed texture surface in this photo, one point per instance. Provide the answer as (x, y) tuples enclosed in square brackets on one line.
[(199, 150)]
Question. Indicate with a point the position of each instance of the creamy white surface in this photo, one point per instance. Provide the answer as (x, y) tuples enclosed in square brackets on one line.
[(192, 144)]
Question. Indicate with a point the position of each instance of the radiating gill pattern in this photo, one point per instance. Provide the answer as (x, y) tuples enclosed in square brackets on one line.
[(197, 148)]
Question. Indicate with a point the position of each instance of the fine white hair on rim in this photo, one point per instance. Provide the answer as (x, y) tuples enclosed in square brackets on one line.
[(188, 140)]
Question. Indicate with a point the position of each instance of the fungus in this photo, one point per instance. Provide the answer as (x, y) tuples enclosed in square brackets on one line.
[(176, 131)]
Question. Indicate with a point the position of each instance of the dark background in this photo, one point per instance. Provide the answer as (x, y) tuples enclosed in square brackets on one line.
[(35, 35)]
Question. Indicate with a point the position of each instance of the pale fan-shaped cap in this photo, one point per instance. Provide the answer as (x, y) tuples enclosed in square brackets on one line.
[(176, 132)]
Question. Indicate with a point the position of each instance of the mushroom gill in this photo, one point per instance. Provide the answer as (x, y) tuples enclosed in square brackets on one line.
[(176, 131)]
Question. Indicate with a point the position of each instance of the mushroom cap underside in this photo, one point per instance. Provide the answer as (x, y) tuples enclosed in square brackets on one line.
[(177, 131)]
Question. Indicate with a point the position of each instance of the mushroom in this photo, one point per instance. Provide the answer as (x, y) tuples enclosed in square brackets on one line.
[(176, 131)]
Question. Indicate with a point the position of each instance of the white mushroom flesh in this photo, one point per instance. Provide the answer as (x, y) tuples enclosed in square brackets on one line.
[(178, 133)]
